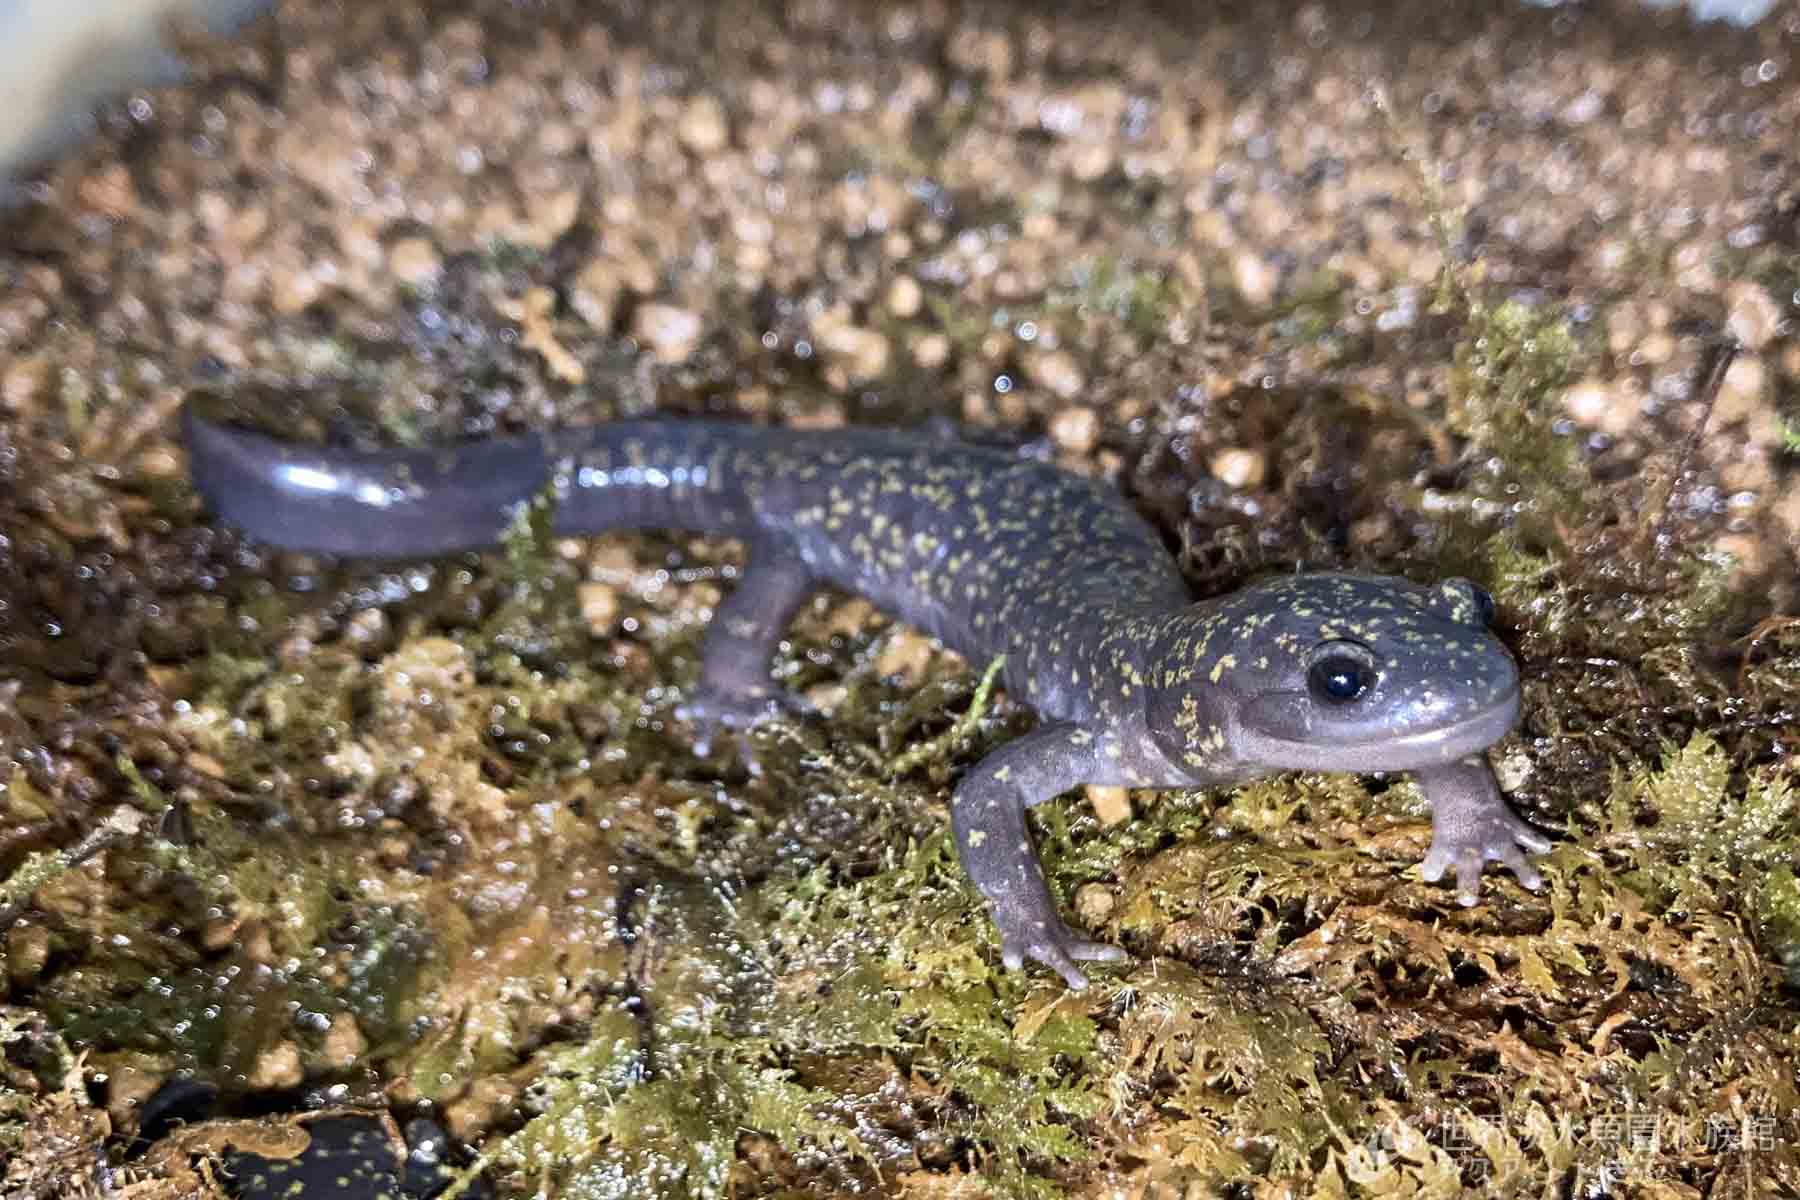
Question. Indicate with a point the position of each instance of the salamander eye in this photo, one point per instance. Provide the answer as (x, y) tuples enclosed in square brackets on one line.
[(1340, 672)]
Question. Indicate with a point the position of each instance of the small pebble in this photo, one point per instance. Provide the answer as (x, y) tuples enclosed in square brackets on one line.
[(1741, 391), (931, 351), (862, 351), (906, 655), (24, 381), (1754, 319), (594, 294), (415, 262), (278, 1067), (1240, 468), (1112, 805), (904, 296), (344, 1042), (1094, 903), (1056, 371), (1075, 429), (599, 607), (1254, 279), (670, 333), (1587, 402), (703, 128)]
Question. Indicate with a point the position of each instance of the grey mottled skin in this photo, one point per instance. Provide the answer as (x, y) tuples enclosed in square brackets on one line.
[(994, 554)]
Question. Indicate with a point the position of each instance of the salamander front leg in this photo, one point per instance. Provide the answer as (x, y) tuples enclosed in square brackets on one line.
[(1471, 826), (987, 815), (735, 692)]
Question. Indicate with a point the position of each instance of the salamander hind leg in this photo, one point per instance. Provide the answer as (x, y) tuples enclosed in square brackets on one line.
[(1471, 826), (987, 815), (734, 692)]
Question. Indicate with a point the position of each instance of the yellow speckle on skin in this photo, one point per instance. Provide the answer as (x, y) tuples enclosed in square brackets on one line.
[(1226, 663), (976, 837)]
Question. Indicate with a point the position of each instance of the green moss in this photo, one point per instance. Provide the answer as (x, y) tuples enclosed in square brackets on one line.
[(1141, 299), (1698, 843), (936, 748), (1509, 362), (616, 1123)]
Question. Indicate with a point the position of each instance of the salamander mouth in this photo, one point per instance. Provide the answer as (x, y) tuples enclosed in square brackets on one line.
[(1337, 750)]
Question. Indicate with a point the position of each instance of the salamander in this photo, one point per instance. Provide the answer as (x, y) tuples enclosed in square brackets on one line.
[(993, 553)]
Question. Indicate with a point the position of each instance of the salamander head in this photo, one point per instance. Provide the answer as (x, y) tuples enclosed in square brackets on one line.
[(1333, 672)]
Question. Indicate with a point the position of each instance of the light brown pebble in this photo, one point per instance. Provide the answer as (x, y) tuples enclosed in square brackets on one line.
[(415, 262), (293, 288), (1090, 161), (1586, 402), (1075, 429), (906, 655), (344, 1042), (1741, 391), (1754, 319), (1112, 805), (277, 1067), (1655, 349), (220, 934), (827, 696), (932, 350), (24, 381), (703, 128), (368, 627), (1746, 551), (1094, 903), (550, 216), (1056, 371), (904, 296), (1610, 406), (1254, 279), (594, 294), (670, 333), (1624, 326), (535, 312), (1240, 468), (1513, 771), (159, 462), (988, 52), (599, 607), (862, 352), (850, 618)]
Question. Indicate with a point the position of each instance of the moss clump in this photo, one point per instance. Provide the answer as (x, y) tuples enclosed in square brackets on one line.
[(619, 1116), (1509, 363), (1142, 300), (1696, 843)]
